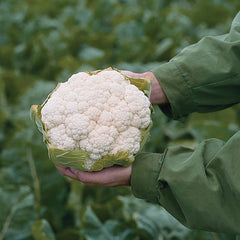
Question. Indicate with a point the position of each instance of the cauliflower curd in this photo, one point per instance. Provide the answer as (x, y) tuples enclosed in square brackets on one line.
[(102, 114)]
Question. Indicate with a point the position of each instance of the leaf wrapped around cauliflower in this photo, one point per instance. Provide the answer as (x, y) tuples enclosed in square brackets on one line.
[(95, 120)]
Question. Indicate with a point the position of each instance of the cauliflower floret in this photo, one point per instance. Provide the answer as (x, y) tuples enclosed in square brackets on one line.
[(142, 119), (71, 97), (122, 116), (84, 144), (99, 141), (93, 113), (100, 106), (53, 112), (77, 78), (59, 138), (71, 108), (90, 161), (112, 76), (129, 140), (94, 157), (63, 90), (136, 99), (77, 126), (112, 101), (106, 118), (82, 107), (96, 80), (91, 126), (117, 90), (113, 132)]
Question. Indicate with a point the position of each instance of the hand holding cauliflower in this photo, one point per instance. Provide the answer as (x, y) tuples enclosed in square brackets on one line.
[(95, 120)]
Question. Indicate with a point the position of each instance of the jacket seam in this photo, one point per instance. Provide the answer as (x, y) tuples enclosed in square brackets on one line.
[(161, 166), (185, 80), (233, 75)]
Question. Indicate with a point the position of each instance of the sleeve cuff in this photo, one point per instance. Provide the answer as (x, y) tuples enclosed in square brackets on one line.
[(174, 84), (144, 178)]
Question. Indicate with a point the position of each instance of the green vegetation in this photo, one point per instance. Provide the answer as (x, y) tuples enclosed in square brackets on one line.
[(43, 42)]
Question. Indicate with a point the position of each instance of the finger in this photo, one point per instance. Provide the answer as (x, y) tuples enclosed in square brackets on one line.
[(132, 74), (128, 73), (67, 172), (138, 75), (97, 178)]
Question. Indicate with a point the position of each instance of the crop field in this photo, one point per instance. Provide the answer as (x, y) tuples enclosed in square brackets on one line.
[(45, 42)]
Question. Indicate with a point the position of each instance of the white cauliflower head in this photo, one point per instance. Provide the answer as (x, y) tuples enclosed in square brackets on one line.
[(101, 113)]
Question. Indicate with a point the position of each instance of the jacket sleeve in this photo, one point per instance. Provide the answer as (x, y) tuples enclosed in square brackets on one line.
[(205, 76), (200, 187)]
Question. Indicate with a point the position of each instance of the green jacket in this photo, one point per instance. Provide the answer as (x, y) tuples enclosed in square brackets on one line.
[(200, 187)]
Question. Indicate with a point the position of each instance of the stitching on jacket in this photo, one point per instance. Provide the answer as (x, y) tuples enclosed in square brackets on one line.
[(233, 75), (190, 96)]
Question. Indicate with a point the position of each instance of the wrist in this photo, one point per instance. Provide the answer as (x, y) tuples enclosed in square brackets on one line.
[(157, 96)]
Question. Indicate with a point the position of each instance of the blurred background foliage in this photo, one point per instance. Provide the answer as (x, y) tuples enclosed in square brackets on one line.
[(44, 42)]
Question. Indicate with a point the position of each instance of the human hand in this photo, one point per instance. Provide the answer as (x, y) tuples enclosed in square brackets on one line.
[(157, 94), (108, 177)]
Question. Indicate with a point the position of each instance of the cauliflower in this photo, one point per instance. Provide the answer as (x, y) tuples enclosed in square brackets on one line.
[(95, 119)]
